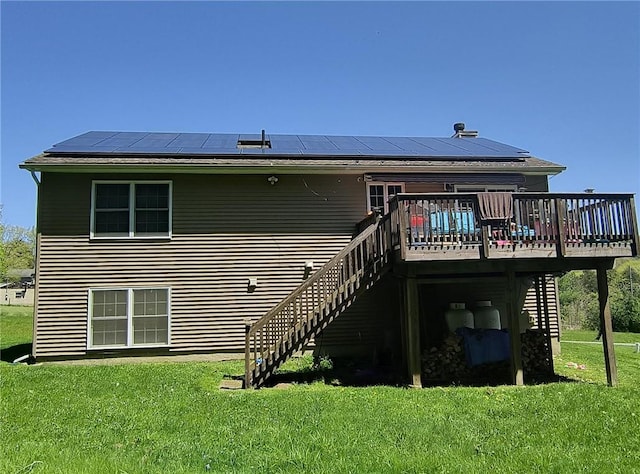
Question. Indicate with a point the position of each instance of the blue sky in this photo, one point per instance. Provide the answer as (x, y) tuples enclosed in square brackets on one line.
[(560, 79)]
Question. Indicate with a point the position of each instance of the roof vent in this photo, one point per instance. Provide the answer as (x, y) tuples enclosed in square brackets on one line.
[(254, 142), (460, 132)]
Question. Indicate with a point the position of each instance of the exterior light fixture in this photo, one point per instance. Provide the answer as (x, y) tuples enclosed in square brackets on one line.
[(308, 267), (272, 180)]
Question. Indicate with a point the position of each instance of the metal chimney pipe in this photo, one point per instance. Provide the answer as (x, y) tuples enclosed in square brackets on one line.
[(264, 140)]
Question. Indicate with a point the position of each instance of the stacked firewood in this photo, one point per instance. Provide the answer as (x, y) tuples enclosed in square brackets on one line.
[(536, 353), (445, 361)]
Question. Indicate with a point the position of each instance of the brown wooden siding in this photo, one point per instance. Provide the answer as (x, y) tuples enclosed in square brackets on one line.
[(226, 229), (537, 184), (208, 275), (369, 326), (220, 203), (424, 188)]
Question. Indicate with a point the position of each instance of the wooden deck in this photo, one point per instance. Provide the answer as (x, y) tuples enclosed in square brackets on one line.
[(428, 227), (423, 234)]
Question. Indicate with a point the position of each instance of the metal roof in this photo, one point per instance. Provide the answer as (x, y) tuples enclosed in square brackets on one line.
[(294, 146)]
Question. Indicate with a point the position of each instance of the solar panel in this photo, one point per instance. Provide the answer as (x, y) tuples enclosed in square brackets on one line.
[(438, 147), (192, 140), (377, 144), (316, 143), (349, 143), (287, 142), (220, 144), (220, 141)]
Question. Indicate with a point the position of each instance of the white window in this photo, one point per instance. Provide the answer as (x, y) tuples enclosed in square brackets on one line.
[(378, 195), (128, 317), (127, 209)]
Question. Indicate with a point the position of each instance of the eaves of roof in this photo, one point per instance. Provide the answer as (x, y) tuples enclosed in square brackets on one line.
[(251, 165)]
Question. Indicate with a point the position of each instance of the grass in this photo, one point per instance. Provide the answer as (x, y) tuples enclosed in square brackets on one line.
[(590, 336), (16, 331), (591, 356), (171, 417)]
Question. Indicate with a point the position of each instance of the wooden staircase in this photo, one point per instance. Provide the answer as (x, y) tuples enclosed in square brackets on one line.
[(285, 329)]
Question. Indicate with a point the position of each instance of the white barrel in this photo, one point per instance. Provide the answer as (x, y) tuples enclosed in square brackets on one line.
[(458, 316), (486, 316)]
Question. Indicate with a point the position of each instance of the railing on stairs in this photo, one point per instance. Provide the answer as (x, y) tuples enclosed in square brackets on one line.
[(276, 336)]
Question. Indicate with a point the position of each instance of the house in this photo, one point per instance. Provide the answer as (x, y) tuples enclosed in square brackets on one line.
[(18, 289), (174, 243)]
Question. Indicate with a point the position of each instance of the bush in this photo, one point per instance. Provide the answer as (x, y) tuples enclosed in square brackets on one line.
[(323, 363)]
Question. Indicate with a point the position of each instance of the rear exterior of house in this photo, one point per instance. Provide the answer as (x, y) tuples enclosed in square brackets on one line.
[(173, 243)]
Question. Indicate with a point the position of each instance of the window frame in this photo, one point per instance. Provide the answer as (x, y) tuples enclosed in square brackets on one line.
[(386, 185), (129, 343), (132, 234)]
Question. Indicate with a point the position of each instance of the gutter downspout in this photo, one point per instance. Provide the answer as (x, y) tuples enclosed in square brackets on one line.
[(32, 356)]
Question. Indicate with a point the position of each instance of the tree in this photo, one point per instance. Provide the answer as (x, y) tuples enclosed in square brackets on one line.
[(578, 295), (17, 248), (625, 300)]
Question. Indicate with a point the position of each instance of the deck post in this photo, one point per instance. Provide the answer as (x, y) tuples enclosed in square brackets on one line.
[(485, 240), (561, 207), (634, 226), (248, 382), (515, 343), (403, 221), (412, 331), (606, 326)]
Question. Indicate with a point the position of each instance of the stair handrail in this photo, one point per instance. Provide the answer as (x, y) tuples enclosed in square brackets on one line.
[(254, 327)]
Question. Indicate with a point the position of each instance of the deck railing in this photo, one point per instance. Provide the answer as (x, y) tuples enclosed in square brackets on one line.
[(566, 222), (291, 324)]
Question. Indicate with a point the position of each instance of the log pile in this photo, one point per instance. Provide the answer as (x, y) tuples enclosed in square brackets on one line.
[(536, 353), (445, 361)]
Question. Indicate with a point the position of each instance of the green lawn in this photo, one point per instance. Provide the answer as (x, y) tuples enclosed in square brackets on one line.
[(590, 336), (16, 326), (171, 417)]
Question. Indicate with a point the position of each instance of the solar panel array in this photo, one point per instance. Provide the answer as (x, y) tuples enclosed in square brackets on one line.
[(225, 144)]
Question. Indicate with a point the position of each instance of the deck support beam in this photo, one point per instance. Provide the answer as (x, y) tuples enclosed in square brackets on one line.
[(515, 343), (606, 327), (412, 331)]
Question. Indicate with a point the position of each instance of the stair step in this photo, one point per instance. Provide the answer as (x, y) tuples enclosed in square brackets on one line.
[(231, 384)]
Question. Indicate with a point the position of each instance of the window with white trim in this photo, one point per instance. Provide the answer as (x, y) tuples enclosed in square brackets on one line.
[(378, 195), (128, 317), (127, 209)]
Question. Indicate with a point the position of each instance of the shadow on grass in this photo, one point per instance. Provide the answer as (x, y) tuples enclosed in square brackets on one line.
[(10, 354), (353, 374), (342, 372)]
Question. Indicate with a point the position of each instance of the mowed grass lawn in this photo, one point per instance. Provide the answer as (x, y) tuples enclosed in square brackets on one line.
[(16, 325), (172, 417)]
